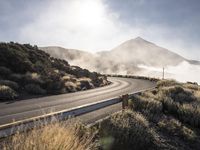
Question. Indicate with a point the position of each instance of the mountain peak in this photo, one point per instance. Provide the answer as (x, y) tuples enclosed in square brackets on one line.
[(139, 38)]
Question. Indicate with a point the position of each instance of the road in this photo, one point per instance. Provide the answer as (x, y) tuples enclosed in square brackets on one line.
[(24, 109)]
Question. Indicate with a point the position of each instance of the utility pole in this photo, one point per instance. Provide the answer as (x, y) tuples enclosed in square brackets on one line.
[(163, 76)]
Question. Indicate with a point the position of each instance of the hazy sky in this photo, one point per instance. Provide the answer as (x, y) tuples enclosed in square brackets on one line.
[(96, 25)]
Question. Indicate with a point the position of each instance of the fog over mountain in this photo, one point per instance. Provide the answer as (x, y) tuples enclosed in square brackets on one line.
[(136, 56)]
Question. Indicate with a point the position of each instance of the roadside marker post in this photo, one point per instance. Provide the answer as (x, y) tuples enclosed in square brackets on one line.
[(124, 99)]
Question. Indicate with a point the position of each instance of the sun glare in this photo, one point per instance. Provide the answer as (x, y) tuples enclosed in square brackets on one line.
[(90, 13)]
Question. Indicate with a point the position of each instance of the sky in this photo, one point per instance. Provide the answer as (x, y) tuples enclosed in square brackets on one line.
[(95, 25)]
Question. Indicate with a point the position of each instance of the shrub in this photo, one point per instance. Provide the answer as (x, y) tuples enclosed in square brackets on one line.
[(4, 72), (32, 78), (7, 93), (11, 84), (178, 94), (16, 77), (124, 130), (191, 86), (85, 83), (189, 114), (165, 83), (176, 128), (146, 104), (186, 113), (34, 89), (55, 87), (71, 86)]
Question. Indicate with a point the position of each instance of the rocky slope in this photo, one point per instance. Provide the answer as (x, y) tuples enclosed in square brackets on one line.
[(26, 71)]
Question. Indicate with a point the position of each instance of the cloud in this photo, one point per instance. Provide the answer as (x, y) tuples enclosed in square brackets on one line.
[(96, 25), (183, 72), (74, 24)]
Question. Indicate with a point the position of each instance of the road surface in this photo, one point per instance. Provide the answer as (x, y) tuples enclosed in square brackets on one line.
[(24, 109)]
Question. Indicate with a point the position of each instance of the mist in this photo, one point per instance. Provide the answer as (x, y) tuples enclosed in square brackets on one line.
[(133, 57), (182, 72)]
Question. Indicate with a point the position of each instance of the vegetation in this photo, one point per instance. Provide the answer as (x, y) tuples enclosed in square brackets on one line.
[(27, 71), (167, 117), (124, 131), (173, 110), (54, 136), (7, 93)]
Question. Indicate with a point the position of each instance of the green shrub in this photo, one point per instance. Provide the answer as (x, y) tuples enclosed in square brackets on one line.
[(9, 83), (6, 93), (126, 130), (34, 89)]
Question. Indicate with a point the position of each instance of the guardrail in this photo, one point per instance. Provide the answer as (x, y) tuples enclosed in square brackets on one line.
[(27, 124)]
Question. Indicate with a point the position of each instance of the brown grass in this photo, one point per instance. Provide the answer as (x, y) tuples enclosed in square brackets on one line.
[(55, 136)]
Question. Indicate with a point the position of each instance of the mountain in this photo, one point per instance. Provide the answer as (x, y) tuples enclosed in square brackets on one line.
[(139, 51), (27, 71), (125, 58)]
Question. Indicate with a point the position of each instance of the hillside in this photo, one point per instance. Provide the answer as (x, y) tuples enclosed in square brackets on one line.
[(123, 59), (26, 71)]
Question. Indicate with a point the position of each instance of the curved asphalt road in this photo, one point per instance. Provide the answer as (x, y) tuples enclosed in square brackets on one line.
[(24, 109)]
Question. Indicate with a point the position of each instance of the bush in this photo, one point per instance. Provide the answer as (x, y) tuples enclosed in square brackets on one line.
[(4, 72), (7, 93), (34, 89), (176, 128), (191, 86), (178, 94), (85, 83), (124, 131), (189, 114), (55, 87), (166, 83), (16, 77), (146, 104), (11, 84), (32, 78)]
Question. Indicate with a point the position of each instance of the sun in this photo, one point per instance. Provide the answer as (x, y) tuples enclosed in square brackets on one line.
[(89, 12)]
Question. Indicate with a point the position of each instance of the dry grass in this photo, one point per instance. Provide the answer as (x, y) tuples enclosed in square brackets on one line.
[(55, 136)]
